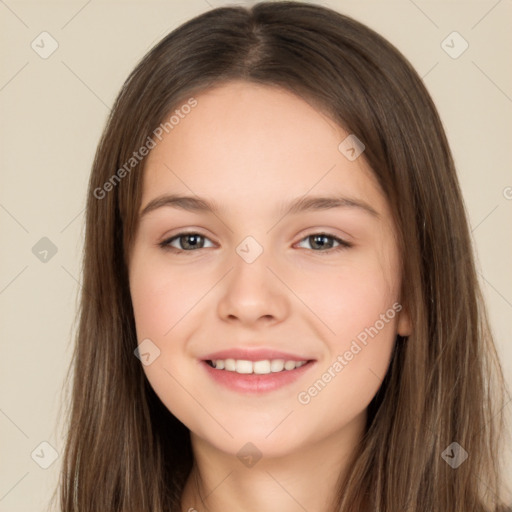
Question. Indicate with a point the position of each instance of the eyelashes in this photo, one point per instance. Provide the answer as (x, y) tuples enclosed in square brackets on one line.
[(166, 244), (316, 240)]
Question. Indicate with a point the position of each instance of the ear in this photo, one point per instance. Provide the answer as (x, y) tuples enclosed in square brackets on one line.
[(404, 326)]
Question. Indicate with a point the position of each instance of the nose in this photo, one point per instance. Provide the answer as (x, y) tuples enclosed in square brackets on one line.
[(252, 293)]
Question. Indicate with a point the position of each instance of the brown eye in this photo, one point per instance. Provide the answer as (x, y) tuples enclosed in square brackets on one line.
[(324, 242), (186, 242)]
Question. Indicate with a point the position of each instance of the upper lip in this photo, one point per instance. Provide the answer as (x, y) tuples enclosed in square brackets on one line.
[(257, 354)]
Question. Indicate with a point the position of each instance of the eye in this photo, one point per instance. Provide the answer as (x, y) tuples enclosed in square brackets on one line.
[(325, 241), (187, 242)]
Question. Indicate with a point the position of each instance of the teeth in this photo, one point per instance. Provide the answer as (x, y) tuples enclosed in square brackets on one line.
[(230, 364), (259, 367), (289, 365), (276, 365), (243, 366)]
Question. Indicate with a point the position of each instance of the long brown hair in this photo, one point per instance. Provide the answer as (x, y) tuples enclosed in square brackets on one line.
[(125, 451)]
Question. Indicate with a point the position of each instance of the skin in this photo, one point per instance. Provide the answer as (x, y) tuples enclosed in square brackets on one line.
[(252, 149)]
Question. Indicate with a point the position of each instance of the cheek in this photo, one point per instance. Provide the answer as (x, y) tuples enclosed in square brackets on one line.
[(350, 298), (344, 385), (360, 307), (161, 297), (347, 380), (150, 306)]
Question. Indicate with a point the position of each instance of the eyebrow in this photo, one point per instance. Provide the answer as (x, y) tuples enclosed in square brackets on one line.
[(301, 204)]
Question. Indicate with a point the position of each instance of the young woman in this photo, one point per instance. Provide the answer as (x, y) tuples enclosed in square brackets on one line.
[(280, 308)]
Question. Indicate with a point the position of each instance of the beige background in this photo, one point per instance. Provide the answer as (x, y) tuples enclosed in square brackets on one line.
[(53, 111)]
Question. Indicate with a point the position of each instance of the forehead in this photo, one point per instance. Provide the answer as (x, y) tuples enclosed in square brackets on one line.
[(253, 143)]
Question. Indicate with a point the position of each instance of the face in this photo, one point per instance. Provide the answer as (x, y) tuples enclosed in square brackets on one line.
[(254, 284)]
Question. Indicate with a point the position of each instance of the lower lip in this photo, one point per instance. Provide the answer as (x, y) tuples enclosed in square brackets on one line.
[(256, 383)]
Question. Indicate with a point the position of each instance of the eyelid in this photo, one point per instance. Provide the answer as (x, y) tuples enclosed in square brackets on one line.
[(342, 242), (165, 243)]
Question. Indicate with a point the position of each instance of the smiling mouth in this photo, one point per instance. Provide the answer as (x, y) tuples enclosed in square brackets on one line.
[(263, 367)]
